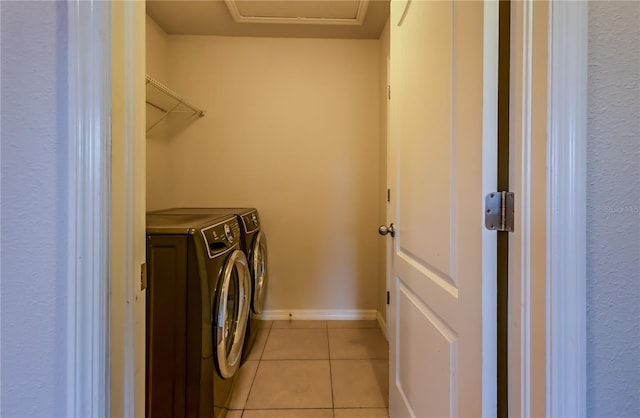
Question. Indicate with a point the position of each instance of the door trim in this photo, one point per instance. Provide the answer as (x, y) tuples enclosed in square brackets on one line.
[(528, 242), (89, 203), (489, 238), (566, 210), (128, 249), (562, 310), (96, 361)]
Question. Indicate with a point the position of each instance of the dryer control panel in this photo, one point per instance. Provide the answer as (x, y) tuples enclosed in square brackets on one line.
[(222, 237), (251, 221)]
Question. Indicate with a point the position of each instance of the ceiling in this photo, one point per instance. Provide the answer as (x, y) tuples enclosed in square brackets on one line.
[(354, 19)]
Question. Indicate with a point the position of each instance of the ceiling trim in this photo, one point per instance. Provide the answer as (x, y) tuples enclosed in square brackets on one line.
[(357, 20)]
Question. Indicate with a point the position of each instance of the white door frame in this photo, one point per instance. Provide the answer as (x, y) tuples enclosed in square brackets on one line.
[(566, 310), (128, 138), (88, 388), (554, 374), (102, 353), (89, 90), (527, 179)]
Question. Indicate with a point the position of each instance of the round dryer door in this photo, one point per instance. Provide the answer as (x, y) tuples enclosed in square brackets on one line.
[(232, 312), (259, 270)]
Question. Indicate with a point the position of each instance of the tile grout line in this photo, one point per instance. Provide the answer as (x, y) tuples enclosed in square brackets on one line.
[(255, 375), (329, 356), (333, 403)]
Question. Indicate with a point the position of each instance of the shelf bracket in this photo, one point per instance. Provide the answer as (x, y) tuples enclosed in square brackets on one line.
[(173, 96)]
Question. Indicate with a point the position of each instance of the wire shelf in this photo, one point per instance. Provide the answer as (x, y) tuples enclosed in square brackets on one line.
[(167, 101)]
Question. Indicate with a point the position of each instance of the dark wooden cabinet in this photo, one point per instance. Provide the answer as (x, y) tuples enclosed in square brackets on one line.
[(166, 326)]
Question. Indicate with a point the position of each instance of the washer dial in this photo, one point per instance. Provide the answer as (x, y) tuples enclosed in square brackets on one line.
[(229, 233)]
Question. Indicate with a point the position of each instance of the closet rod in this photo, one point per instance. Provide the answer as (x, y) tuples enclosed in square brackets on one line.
[(155, 83)]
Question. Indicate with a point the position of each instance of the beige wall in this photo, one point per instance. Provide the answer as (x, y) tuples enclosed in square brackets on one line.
[(292, 129), (158, 156), (383, 57)]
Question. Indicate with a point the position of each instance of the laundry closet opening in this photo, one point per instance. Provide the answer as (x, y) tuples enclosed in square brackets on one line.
[(295, 125)]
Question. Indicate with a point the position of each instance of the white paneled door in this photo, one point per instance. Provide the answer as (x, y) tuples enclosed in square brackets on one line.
[(441, 162)]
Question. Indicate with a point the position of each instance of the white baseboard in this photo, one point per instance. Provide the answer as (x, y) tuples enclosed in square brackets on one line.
[(383, 324), (318, 314)]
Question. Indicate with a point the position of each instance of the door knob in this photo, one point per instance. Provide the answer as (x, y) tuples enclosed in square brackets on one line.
[(384, 230)]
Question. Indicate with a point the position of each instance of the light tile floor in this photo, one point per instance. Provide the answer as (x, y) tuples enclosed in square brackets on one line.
[(314, 369)]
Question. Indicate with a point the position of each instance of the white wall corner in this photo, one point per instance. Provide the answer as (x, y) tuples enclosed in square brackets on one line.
[(382, 323), (566, 210), (89, 208)]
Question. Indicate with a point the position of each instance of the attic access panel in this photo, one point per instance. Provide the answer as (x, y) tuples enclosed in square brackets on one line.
[(318, 12)]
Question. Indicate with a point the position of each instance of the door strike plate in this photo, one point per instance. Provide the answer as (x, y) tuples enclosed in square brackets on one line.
[(143, 276), (499, 211)]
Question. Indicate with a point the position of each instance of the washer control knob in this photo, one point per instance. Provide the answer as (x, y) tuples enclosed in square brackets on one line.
[(228, 232)]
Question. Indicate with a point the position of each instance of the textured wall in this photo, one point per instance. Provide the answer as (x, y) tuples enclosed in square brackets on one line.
[(613, 213), (34, 195)]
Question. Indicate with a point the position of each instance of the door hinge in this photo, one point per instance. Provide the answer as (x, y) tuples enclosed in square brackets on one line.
[(389, 195), (499, 211), (388, 92), (388, 297), (143, 276)]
